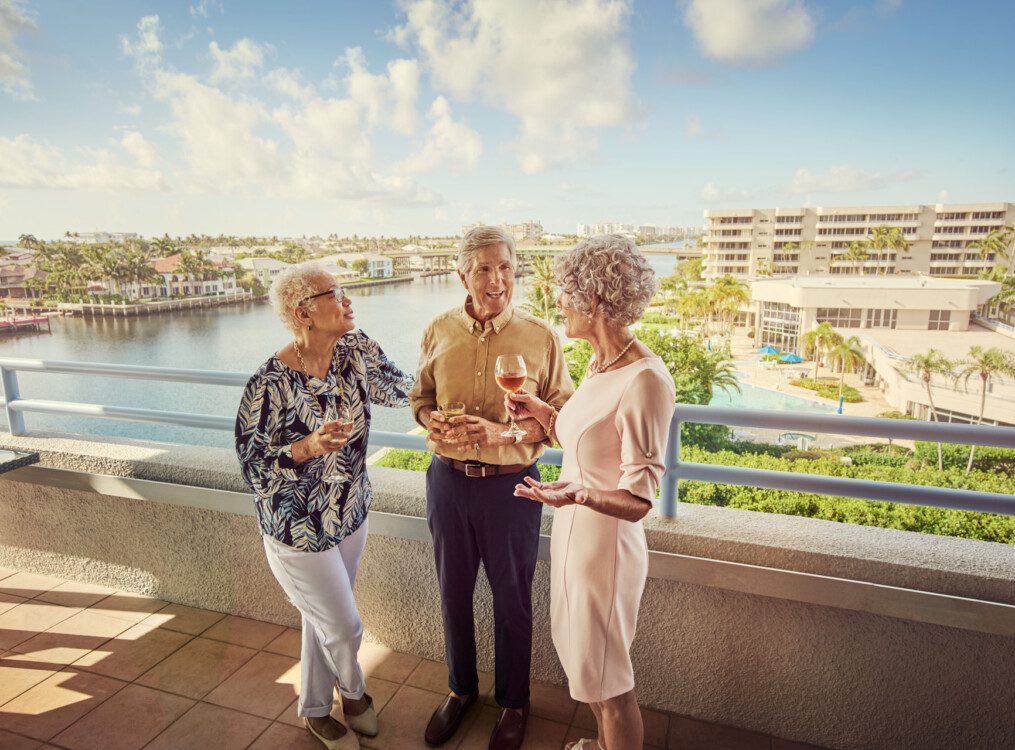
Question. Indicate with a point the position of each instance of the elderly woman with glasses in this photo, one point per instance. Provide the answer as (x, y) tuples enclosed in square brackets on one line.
[(301, 437)]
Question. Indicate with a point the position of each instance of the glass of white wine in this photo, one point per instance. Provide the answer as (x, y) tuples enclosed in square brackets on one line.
[(340, 412)]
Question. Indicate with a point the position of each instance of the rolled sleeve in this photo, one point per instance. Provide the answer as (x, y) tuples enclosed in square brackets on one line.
[(387, 385), (643, 422), (559, 387)]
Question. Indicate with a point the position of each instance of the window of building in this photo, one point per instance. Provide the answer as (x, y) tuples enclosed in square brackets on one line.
[(780, 326), (947, 243), (939, 320), (881, 318), (988, 215), (951, 216), (788, 219), (841, 317)]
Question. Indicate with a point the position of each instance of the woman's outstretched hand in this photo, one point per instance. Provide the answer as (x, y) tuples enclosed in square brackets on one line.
[(522, 405), (555, 494)]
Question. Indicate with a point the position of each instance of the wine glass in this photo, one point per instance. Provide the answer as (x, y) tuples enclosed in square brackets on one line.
[(453, 409), (336, 412), (510, 371)]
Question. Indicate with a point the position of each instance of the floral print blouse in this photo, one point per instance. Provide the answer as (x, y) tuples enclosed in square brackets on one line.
[(277, 409)]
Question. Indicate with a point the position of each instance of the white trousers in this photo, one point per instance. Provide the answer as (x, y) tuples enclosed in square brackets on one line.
[(320, 585)]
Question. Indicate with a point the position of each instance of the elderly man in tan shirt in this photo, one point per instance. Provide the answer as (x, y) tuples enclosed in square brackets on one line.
[(471, 510)]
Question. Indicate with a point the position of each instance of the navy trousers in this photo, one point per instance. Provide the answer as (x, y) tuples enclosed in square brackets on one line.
[(475, 520)]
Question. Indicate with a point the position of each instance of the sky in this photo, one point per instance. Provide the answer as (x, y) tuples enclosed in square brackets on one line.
[(418, 116)]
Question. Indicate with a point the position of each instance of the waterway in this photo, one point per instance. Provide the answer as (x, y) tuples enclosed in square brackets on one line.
[(235, 338)]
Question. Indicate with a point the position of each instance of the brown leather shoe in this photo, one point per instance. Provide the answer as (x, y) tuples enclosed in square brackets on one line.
[(510, 730), (446, 718)]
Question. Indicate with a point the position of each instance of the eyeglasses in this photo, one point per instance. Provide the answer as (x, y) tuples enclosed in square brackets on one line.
[(338, 293)]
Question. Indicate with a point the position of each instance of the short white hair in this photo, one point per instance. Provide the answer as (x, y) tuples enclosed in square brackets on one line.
[(291, 288), (610, 270), (480, 237)]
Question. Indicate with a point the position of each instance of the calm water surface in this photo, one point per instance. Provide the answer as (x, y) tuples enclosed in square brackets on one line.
[(235, 338)]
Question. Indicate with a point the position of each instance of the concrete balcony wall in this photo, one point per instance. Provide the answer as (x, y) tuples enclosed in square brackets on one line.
[(714, 641)]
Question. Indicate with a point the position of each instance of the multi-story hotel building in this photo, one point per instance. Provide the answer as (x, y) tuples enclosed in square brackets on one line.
[(752, 242)]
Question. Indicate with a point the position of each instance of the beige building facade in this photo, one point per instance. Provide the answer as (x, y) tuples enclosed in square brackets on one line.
[(751, 242)]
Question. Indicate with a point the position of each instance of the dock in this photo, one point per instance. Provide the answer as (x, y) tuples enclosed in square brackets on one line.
[(17, 325)]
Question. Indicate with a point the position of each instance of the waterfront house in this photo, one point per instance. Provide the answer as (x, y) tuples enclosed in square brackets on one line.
[(379, 267), (265, 269)]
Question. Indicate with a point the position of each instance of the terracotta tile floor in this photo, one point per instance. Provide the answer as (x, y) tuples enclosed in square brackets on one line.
[(84, 667)]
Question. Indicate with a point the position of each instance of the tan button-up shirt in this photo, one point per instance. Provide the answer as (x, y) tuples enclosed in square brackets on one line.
[(457, 364)]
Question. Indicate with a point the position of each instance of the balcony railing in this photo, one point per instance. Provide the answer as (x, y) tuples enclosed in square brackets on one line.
[(17, 407)]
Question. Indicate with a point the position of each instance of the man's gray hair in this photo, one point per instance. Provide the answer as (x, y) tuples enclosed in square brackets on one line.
[(482, 236)]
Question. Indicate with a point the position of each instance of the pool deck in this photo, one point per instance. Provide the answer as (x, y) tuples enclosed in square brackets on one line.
[(748, 361)]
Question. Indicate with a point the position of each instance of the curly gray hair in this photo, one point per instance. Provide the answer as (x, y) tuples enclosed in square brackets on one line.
[(291, 288), (478, 237), (610, 270)]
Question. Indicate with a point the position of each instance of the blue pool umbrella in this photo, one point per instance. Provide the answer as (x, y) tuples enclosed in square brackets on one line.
[(768, 350), (792, 358), (840, 403)]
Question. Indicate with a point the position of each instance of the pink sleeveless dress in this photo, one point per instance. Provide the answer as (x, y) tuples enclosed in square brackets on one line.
[(613, 431)]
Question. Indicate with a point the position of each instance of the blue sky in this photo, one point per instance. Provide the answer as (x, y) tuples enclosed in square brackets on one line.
[(415, 117)]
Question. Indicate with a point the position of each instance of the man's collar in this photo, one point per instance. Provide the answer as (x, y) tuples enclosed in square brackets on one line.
[(497, 323)]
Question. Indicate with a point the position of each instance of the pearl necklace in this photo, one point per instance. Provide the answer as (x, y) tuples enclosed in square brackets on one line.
[(595, 368)]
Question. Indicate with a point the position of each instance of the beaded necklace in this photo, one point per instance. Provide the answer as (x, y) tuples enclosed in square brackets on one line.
[(595, 368)]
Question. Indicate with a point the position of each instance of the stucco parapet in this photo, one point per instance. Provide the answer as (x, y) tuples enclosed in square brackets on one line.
[(961, 567)]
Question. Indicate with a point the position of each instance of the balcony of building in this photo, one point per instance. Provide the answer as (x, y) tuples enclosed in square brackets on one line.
[(136, 606)]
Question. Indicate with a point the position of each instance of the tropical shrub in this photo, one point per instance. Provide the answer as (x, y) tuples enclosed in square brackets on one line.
[(829, 388)]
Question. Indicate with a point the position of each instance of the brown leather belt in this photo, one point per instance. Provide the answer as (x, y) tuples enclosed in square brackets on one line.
[(479, 470)]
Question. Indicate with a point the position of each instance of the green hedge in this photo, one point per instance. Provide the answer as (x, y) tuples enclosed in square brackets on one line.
[(868, 463), (829, 388)]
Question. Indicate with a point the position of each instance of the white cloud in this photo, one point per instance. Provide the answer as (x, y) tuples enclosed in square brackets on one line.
[(749, 31), (942, 197), (201, 9), (217, 130), (448, 143), (14, 79), (692, 126), (288, 82), (390, 97), (147, 47), (564, 70), (139, 147), (846, 179), (33, 165), (131, 109), (242, 61)]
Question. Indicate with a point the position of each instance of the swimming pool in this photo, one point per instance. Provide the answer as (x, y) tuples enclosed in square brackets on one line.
[(753, 397)]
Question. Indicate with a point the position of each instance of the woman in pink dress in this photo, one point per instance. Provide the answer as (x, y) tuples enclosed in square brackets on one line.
[(613, 431)]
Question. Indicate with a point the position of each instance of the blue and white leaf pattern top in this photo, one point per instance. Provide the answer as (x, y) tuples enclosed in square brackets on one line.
[(293, 505)]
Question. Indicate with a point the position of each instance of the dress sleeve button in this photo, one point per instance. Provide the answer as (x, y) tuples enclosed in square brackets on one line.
[(648, 454)]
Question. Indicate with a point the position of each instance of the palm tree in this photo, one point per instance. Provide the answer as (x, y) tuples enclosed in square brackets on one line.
[(985, 363), (818, 341), (727, 295), (1000, 243), (723, 374), (857, 253), (28, 241), (542, 298), (925, 367), (884, 238), (164, 246), (847, 356)]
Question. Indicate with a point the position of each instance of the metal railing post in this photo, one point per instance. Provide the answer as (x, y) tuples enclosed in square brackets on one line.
[(668, 489), (15, 419)]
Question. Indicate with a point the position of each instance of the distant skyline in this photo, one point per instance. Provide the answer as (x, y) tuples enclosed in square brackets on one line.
[(419, 116)]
